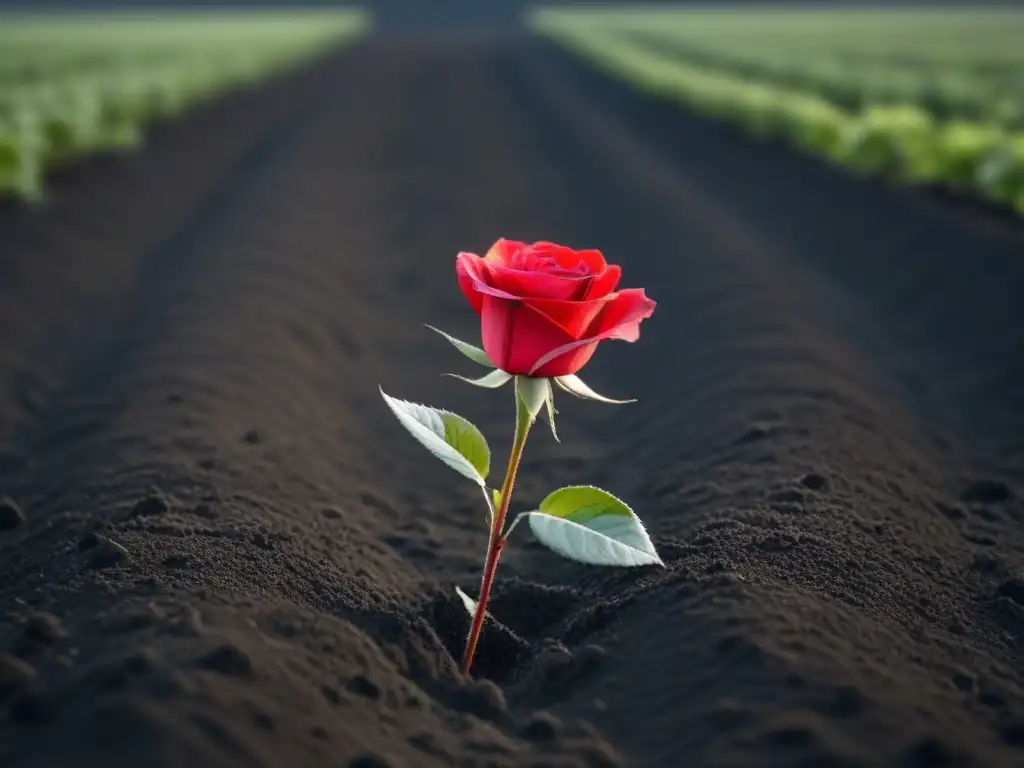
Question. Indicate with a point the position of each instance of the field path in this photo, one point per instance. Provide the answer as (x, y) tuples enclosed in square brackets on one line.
[(231, 554)]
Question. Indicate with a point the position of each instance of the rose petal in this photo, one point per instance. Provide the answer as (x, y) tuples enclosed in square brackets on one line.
[(594, 260), (575, 317), (605, 282), (496, 329), (489, 290), (590, 261), (630, 306), (541, 285), (471, 272), (515, 335), (548, 362), (503, 251), (476, 277), (567, 363), (620, 320), (555, 257)]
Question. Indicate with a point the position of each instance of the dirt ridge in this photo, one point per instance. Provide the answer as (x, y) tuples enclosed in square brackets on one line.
[(231, 555)]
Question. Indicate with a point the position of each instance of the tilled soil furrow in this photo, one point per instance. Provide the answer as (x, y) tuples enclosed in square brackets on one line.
[(233, 515), (941, 282), (70, 265), (825, 552), (234, 556)]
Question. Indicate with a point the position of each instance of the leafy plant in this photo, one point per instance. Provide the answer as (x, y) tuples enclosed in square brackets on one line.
[(69, 89), (945, 110)]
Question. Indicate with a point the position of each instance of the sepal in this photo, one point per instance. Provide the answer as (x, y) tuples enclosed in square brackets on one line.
[(574, 385), (474, 353)]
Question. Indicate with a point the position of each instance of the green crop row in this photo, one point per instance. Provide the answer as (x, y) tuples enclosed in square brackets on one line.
[(970, 37), (898, 140), (955, 63), (853, 82), (72, 87)]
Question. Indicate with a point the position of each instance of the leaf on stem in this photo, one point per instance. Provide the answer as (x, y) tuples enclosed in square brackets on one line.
[(474, 353), (492, 380), (448, 436), (574, 385), (590, 525)]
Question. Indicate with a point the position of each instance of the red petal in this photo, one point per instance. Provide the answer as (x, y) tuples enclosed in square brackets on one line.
[(502, 251), (496, 328), (575, 317), (620, 320), (470, 269), (541, 285), (565, 258), (594, 259), (515, 335), (568, 259), (624, 313), (605, 282), (567, 363)]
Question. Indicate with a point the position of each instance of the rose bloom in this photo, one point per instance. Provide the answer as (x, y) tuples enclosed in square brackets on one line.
[(544, 308)]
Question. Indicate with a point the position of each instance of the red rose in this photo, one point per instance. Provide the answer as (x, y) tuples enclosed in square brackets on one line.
[(544, 308)]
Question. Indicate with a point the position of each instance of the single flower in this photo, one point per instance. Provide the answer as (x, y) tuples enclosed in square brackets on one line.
[(544, 308)]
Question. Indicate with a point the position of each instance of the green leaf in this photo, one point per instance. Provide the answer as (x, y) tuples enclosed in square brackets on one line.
[(532, 393), (589, 525), (448, 436), (497, 498), (492, 380), (574, 386), (465, 438), (475, 354)]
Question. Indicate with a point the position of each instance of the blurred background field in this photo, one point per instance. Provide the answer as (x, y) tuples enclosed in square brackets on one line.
[(72, 84), (926, 94), (222, 228)]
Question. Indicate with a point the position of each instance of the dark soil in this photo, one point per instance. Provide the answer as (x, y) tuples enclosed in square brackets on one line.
[(219, 549)]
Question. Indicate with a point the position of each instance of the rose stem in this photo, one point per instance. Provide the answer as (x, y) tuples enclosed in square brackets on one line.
[(496, 540)]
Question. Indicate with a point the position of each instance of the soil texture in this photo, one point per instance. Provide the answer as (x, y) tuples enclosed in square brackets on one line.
[(218, 548)]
